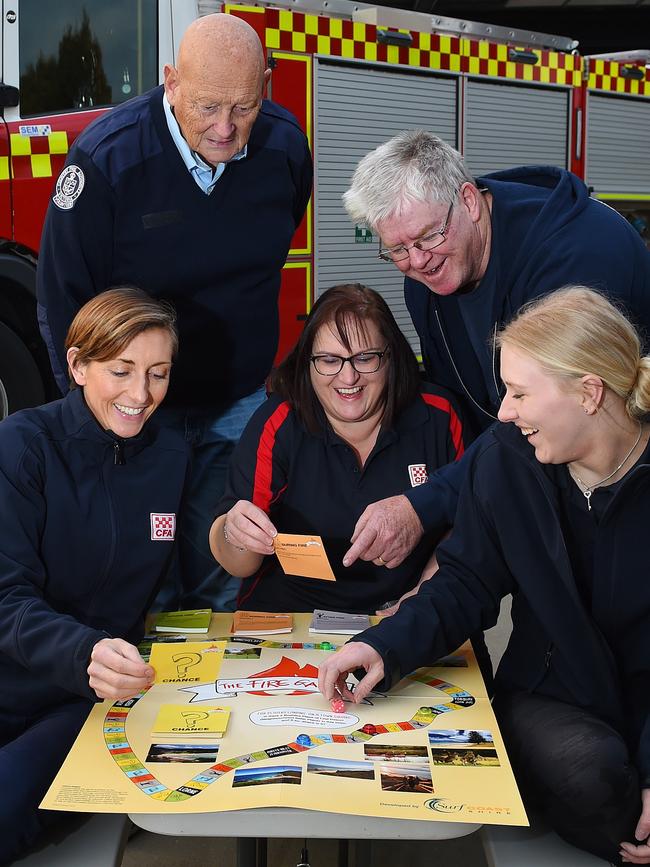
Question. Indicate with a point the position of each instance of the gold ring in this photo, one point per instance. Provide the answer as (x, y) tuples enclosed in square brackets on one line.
[(382, 561)]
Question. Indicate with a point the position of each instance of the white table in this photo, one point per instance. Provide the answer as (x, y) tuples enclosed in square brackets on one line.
[(253, 827)]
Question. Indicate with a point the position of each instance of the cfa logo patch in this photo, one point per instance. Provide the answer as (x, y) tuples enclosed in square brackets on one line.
[(418, 474), (68, 188), (163, 526)]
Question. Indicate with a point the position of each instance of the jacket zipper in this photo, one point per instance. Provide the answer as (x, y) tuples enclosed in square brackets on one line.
[(118, 454), (547, 665)]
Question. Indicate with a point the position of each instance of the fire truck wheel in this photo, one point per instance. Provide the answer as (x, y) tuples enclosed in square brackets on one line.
[(21, 384)]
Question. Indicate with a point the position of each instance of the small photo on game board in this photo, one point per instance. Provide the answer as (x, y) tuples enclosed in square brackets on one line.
[(405, 778), (460, 738), (396, 753), (242, 653), (340, 768), (462, 757), (265, 776), (197, 753)]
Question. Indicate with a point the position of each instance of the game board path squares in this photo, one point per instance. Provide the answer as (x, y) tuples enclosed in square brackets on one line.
[(118, 745), (145, 646)]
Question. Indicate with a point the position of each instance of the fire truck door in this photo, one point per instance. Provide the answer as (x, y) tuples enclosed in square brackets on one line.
[(618, 132), (357, 109), (8, 81), (514, 125)]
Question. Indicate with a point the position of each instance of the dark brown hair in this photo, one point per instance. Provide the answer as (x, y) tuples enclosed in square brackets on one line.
[(110, 321), (348, 308)]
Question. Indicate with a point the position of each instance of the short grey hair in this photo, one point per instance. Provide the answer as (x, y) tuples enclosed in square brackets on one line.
[(413, 166)]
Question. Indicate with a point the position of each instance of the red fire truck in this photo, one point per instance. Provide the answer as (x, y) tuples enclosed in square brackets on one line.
[(354, 75)]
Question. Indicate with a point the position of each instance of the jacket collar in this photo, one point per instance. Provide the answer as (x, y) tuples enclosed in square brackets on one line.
[(80, 421)]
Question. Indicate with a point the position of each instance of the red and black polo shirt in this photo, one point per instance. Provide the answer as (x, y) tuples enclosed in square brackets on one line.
[(314, 485)]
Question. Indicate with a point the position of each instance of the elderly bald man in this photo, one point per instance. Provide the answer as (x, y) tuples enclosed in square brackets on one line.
[(192, 191)]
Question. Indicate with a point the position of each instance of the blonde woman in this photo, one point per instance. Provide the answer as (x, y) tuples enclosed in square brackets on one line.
[(89, 493), (555, 510)]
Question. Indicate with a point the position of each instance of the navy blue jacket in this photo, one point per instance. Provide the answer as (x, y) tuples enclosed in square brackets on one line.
[(77, 559), (546, 233), (508, 539), (141, 219)]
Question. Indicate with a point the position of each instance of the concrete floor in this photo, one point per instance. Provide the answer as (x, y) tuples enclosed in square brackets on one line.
[(154, 850), (147, 850)]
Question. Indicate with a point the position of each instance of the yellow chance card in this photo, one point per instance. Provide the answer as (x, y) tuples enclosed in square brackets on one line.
[(304, 556), (187, 662), (183, 719)]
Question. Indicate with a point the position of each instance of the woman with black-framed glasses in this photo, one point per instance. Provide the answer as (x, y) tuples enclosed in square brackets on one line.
[(349, 422)]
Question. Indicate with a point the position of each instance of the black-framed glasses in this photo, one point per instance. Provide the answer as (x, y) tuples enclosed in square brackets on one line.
[(427, 242), (362, 362)]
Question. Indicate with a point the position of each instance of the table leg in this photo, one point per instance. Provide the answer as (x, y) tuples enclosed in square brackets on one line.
[(362, 853), (247, 852), (262, 848)]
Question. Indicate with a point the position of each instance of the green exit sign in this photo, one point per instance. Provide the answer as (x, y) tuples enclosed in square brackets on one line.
[(362, 235)]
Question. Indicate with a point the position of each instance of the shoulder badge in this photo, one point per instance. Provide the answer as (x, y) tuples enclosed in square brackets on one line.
[(68, 188), (418, 474)]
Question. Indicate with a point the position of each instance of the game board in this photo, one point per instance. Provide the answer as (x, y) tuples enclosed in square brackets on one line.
[(430, 749)]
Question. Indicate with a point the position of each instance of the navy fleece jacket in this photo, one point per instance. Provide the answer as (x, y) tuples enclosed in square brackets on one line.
[(546, 233)]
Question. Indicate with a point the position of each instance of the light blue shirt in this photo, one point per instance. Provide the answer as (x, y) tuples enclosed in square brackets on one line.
[(205, 175)]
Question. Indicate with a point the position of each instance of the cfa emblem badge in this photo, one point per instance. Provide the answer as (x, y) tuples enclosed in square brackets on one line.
[(163, 526), (418, 474), (68, 188)]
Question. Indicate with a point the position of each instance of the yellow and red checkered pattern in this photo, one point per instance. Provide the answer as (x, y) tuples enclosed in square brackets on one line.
[(316, 34), (606, 75), (491, 58), (35, 156)]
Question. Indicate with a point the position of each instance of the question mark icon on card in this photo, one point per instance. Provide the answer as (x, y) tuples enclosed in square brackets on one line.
[(192, 717), (185, 661)]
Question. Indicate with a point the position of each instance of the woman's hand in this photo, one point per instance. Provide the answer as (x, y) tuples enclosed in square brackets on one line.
[(350, 658), (248, 527), (639, 853), (117, 670)]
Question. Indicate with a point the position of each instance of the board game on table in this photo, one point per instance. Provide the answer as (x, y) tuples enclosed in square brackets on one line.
[(428, 750)]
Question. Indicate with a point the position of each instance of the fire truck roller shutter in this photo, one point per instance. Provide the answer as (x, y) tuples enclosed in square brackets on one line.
[(358, 108), (510, 125), (618, 132)]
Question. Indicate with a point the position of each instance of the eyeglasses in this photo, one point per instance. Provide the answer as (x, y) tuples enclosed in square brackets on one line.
[(424, 244), (362, 362)]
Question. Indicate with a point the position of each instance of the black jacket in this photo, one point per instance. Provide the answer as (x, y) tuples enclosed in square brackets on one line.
[(83, 545), (508, 539)]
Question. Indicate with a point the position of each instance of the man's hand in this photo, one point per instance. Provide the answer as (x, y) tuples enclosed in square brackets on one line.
[(635, 853), (249, 528), (117, 670), (352, 656), (387, 532)]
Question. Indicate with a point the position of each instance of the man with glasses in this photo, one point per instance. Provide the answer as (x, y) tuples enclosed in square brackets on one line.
[(472, 252)]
